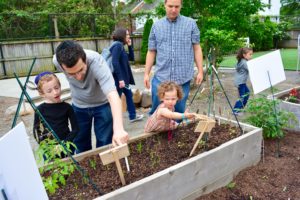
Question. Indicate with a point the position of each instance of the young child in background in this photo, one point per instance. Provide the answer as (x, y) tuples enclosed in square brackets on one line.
[(56, 113), (241, 76), (163, 119)]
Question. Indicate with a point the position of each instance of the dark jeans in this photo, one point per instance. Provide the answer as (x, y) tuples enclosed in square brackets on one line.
[(244, 93), (129, 101), (180, 105), (103, 126)]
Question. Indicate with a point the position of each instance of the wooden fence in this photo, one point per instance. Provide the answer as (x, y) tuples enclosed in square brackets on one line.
[(18, 56)]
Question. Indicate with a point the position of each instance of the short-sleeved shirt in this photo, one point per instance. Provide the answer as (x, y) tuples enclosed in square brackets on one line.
[(97, 84), (241, 73), (173, 42)]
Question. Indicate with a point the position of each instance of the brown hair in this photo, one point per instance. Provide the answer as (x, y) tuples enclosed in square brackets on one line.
[(119, 35), (241, 52), (167, 0), (167, 87), (46, 78), (69, 52)]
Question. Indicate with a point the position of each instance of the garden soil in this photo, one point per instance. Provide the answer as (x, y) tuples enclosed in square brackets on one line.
[(273, 178)]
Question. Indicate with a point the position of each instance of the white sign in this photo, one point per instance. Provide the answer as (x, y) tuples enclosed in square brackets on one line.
[(19, 175), (260, 67)]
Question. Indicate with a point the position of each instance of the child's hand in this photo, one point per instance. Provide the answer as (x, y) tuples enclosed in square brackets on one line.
[(189, 115)]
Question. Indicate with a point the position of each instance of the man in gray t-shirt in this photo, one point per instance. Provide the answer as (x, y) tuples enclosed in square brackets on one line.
[(94, 95)]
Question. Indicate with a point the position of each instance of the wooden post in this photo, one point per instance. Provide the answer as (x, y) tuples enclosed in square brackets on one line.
[(114, 155), (199, 138), (117, 161)]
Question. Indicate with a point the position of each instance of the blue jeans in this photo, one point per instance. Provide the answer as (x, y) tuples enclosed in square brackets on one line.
[(180, 105), (129, 101), (103, 126), (244, 96)]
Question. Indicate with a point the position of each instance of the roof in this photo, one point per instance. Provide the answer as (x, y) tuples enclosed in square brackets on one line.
[(140, 6)]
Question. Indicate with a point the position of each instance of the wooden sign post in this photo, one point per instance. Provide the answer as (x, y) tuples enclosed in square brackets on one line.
[(205, 125), (114, 155)]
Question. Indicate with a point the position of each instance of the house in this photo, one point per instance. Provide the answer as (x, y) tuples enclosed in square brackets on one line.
[(140, 6), (272, 10)]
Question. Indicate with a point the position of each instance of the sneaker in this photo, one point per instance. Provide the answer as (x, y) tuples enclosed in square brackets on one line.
[(238, 113), (137, 118)]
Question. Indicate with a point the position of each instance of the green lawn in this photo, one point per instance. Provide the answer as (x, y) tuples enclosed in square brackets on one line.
[(289, 59)]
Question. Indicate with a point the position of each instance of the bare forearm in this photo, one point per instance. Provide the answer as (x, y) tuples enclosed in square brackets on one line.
[(149, 61), (176, 115), (198, 58)]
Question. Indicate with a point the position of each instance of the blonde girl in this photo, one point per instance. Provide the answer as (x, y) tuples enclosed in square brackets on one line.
[(163, 119)]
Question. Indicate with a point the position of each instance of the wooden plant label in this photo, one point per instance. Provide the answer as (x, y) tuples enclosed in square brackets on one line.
[(205, 125), (202, 123), (114, 155)]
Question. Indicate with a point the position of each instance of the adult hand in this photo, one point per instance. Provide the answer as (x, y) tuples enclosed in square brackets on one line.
[(120, 137), (147, 81), (199, 78), (121, 84)]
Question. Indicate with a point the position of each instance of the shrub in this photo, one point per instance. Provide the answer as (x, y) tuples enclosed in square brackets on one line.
[(144, 48), (261, 114)]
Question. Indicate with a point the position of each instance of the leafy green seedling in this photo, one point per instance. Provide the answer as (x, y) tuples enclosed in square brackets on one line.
[(261, 113), (93, 164), (54, 171), (231, 185), (139, 147)]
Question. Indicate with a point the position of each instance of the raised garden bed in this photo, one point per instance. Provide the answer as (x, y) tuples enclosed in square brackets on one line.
[(293, 107), (162, 169)]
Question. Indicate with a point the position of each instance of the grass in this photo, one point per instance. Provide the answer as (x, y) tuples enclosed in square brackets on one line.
[(289, 59)]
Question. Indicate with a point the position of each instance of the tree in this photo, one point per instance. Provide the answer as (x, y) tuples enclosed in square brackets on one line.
[(221, 22), (35, 18), (290, 7), (146, 33)]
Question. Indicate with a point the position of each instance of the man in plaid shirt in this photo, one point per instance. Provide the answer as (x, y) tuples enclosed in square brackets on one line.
[(174, 42)]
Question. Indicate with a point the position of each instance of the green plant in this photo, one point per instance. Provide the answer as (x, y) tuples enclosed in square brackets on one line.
[(146, 33), (180, 145), (262, 114), (139, 147), (92, 164), (201, 143), (154, 158), (293, 96), (54, 171), (231, 185)]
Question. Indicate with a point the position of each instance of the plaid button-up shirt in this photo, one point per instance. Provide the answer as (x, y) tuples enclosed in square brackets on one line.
[(173, 42)]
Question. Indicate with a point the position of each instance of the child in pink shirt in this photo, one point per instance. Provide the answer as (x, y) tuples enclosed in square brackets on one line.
[(163, 119)]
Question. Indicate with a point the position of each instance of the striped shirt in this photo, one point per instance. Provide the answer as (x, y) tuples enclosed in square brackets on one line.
[(173, 42)]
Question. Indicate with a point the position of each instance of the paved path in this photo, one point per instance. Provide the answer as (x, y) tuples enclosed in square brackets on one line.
[(10, 88)]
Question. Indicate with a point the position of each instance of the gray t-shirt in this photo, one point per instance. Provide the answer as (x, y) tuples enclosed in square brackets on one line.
[(241, 73), (98, 82)]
